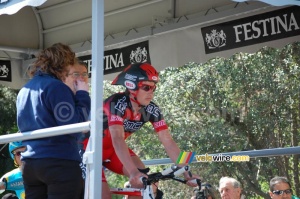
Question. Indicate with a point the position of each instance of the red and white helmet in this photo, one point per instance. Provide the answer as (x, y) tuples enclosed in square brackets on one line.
[(134, 73)]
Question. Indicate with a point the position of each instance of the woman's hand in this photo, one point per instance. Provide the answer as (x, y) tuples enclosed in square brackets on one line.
[(81, 85)]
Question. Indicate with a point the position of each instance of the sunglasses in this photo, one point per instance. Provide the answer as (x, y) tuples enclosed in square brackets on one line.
[(147, 88), (17, 153), (280, 192)]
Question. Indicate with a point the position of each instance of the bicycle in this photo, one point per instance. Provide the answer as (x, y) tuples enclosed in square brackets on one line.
[(146, 192)]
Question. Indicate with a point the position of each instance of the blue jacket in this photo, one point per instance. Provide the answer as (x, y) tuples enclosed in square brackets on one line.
[(46, 102)]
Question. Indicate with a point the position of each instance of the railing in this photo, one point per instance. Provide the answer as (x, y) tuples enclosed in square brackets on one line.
[(48, 132), (85, 126), (252, 154)]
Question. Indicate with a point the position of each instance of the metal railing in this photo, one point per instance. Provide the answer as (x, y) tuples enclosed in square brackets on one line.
[(47, 132), (85, 126)]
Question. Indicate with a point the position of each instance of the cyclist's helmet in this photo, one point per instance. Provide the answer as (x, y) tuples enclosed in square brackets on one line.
[(13, 146), (134, 73)]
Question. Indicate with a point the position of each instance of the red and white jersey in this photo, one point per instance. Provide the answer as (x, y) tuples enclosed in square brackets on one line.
[(118, 111)]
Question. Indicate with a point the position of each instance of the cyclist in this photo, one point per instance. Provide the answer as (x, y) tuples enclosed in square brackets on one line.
[(126, 112), (13, 180)]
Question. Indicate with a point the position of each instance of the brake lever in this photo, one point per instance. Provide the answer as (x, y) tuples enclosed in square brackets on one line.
[(144, 181)]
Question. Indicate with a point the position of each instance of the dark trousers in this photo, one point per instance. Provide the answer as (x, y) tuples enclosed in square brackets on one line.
[(50, 178)]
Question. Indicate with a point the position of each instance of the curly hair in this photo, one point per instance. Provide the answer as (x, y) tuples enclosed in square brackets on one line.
[(54, 60)]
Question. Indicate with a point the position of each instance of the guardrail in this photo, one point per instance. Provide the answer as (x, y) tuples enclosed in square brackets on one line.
[(252, 154), (85, 126), (47, 132)]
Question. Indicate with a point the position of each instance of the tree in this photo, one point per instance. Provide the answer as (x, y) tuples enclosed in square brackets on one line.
[(8, 110), (246, 102), (7, 125)]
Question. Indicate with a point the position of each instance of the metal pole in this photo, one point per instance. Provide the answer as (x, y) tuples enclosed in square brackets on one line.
[(95, 155), (47, 132), (251, 154)]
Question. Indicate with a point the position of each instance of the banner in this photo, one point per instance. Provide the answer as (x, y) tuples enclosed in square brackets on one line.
[(115, 60), (252, 30), (5, 71)]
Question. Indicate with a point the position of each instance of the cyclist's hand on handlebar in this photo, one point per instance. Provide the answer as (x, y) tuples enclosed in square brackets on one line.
[(191, 179), (135, 179), (2, 186)]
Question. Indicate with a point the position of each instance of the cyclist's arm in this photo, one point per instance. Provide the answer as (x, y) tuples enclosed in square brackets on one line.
[(170, 145), (173, 152), (121, 148)]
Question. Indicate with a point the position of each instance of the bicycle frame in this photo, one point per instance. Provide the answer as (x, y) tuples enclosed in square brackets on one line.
[(146, 193)]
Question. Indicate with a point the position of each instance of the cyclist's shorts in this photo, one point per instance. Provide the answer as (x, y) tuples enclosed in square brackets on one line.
[(112, 162)]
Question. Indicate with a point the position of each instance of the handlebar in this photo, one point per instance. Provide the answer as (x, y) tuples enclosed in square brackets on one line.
[(170, 173), (196, 181)]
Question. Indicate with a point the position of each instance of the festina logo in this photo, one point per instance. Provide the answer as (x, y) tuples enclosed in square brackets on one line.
[(116, 60), (113, 61), (268, 26), (5, 70), (265, 27)]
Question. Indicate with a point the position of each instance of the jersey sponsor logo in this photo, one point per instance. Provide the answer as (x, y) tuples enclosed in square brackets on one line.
[(115, 118), (121, 105), (154, 110), (16, 185), (159, 124), (129, 84), (132, 126)]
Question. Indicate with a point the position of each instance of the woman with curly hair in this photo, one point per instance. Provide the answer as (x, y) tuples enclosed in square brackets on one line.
[(50, 165)]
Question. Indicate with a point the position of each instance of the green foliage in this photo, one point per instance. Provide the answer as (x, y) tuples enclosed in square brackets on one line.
[(7, 124), (7, 110), (246, 102)]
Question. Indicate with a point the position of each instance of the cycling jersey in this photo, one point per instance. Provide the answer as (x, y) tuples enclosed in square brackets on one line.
[(117, 110), (14, 182)]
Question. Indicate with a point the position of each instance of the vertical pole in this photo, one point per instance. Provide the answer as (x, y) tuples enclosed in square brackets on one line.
[(95, 177)]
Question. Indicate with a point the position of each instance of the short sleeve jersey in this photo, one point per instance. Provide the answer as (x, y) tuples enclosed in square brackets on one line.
[(14, 182), (118, 111)]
